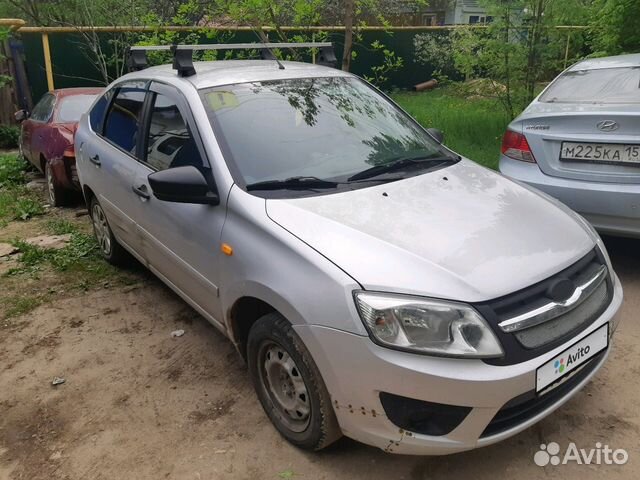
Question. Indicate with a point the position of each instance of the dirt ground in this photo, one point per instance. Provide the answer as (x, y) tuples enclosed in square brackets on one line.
[(140, 404)]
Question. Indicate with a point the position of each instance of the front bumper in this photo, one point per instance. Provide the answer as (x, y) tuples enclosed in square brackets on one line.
[(610, 207), (356, 371)]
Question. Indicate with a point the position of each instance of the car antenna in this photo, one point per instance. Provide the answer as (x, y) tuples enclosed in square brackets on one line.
[(267, 53)]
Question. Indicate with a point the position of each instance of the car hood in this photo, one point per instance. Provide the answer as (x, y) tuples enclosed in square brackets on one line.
[(463, 233)]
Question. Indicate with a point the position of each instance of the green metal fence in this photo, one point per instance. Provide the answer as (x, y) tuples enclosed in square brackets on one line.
[(70, 67)]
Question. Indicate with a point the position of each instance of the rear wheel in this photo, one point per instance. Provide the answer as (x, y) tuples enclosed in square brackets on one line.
[(58, 196), (289, 385), (110, 249)]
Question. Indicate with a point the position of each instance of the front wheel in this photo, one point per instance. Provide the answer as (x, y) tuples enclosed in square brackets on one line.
[(110, 249), (289, 385)]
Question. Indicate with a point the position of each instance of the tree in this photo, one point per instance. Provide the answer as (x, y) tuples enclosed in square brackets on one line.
[(614, 27)]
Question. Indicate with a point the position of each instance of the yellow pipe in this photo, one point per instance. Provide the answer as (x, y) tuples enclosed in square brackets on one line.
[(12, 23), (47, 60)]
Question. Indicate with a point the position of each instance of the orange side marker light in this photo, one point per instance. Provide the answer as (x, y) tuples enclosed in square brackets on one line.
[(226, 249)]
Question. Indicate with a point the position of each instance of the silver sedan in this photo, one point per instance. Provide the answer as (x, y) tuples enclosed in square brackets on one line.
[(579, 141), (377, 284)]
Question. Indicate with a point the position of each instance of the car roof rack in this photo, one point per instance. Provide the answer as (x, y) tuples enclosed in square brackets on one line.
[(183, 54)]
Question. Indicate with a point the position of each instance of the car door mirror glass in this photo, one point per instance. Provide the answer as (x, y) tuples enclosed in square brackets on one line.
[(21, 116), (437, 134), (183, 185)]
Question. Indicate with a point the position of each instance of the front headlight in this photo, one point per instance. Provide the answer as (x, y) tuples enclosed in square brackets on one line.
[(435, 327)]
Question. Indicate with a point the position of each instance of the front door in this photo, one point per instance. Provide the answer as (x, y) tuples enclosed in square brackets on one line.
[(181, 241)]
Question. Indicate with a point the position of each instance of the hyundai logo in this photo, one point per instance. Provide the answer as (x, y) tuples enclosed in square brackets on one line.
[(607, 125)]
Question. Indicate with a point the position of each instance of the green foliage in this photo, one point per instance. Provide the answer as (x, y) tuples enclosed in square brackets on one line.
[(9, 134), (435, 50), (614, 27), (61, 226), (12, 170), (80, 258), (472, 126), (390, 62), (20, 305), (16, 201)]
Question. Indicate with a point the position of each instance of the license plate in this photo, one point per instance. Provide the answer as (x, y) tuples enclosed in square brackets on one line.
[(600, 152), (572, 358)]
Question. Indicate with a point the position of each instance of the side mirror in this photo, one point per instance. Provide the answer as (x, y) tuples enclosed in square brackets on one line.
[(182, 185), (21, 116), (436, 134)]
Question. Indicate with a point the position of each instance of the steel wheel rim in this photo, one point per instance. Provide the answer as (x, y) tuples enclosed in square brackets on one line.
[(282, 381), (50, 184), (101, 229)]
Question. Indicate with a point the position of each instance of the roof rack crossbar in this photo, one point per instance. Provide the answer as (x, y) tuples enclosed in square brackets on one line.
[(183, 54)]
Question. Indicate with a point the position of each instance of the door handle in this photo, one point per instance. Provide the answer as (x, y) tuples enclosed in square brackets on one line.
[(95, 160), (141, 191)]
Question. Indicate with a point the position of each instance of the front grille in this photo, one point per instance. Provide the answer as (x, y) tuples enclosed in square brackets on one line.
[(528, 405), (529, 342), (572, 321)]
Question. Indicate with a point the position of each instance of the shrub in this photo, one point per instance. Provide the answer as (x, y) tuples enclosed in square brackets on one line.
[(9, 135)]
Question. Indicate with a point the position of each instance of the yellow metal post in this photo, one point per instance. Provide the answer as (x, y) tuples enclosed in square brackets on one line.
[(566, 51), (47, 60)]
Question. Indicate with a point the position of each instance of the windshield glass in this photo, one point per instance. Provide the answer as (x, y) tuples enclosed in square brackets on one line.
[(605, 85), (326, 128), (71, 108)]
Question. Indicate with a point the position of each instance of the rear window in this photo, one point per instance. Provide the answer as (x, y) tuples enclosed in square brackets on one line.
[(73, 107), (605, 85)]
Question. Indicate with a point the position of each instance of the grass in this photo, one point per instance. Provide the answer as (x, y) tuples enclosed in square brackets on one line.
[(17, 202), (472, 127), (20, 305)]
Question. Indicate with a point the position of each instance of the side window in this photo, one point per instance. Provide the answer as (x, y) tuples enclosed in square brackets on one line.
[(123, 120), (170, 142), (44, 108), (96, 115)]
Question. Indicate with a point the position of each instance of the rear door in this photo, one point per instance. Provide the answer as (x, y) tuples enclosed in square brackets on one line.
[(586, 126), (181, 241), (112, 156)]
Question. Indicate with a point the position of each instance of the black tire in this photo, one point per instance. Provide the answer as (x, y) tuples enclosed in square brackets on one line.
[(58, 196), (269, 337), (109, 247)]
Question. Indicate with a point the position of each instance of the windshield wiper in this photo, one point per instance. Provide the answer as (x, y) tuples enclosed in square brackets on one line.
[(398, 164), (301, 182)]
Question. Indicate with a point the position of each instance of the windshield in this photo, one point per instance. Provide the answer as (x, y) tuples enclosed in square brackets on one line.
[(72, 107), (605, 85), (325, 128)]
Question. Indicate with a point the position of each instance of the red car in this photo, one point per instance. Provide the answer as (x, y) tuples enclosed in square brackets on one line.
[(47, 135)]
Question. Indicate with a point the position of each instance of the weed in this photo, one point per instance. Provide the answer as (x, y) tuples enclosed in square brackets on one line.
[(12, 170), (16, 201), (9, 136), (20, 305), (61, 226)]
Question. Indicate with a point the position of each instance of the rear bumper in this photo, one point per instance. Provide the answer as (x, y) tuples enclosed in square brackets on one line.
[(610, 207), (64, 170)]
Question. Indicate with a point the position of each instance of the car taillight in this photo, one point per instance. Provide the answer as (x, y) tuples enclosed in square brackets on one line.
[(70, 151), (515, 145)]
